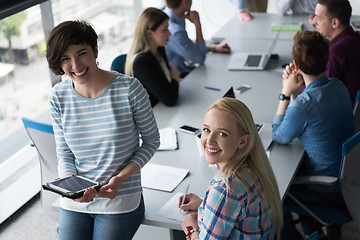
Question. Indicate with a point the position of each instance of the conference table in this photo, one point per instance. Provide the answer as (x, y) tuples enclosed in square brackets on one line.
[(194, 99)]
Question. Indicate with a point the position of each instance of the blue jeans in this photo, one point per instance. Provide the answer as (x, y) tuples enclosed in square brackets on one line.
[(83, 226)]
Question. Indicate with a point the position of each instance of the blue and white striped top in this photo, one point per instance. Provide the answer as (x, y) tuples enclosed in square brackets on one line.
[(97, 137)]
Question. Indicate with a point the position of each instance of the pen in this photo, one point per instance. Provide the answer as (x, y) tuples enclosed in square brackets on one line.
[(186, 191), (212, 88)]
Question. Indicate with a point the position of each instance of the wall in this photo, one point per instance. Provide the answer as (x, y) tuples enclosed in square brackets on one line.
[(215, 13)]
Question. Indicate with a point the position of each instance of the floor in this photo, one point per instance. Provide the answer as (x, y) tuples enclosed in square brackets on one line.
[(30, 222)]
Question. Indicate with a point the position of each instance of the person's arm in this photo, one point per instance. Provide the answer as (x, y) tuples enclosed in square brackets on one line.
[(221, 48), (284, 5), (217, 222), (111, 188), (144, 119), (243, 14), (148, 71), (183, 46), (193, 16), (289, 122), (66, 158)]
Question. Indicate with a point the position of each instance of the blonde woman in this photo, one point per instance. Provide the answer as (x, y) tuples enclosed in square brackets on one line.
[(242, 201), (147, 60)]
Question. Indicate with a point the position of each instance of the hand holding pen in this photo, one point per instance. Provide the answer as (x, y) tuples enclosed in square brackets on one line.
[(190, 202)]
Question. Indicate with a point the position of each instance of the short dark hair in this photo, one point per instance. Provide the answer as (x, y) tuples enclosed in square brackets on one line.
[(173, 3), (66, 34), (340, 9), (311, 52)]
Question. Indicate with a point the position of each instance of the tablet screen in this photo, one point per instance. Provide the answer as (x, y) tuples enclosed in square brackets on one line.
[(73, 183)]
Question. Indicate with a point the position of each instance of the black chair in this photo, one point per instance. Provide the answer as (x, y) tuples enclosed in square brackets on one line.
[(349, 179)]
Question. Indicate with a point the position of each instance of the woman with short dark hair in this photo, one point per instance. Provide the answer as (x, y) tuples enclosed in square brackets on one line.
[(97, 117)]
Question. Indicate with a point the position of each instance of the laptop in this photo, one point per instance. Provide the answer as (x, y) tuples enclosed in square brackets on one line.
[(251, 61), (265, 132), (230, 93), (247, 61)]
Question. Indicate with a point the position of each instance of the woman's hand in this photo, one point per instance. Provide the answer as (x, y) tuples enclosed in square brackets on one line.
[(174, 73), (110, 190), (192, 202), (88, 196), (190, 220)]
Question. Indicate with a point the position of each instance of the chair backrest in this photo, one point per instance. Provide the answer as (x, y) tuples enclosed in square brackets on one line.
[(350, 177), (118, 64), (42, 137), (356, 111), (313, 236)]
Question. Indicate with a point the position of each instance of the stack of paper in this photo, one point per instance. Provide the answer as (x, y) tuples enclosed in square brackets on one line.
[(168, 139), (161, 177)]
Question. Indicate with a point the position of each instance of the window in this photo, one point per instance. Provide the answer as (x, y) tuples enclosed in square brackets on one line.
[(25, 79)]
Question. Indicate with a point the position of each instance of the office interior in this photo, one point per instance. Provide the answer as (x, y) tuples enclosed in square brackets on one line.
[(25, 82)]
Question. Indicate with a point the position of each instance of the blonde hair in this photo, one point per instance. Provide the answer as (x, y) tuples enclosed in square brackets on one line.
[(150, 19), (253, 154)]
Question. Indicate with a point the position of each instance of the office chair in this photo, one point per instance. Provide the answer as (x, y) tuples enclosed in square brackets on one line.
[(350, 178), (42, 137), (118, 64), (356, 112), (350, 186)]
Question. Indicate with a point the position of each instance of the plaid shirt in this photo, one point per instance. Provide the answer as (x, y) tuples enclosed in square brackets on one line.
[(238, 214)]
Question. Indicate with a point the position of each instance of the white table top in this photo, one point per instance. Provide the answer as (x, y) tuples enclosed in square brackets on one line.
[(194, 99)]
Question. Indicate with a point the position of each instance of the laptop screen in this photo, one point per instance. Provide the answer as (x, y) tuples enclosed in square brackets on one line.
[(230, 93)]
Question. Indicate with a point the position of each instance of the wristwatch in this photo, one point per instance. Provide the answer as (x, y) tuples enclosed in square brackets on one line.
[(283, 97)]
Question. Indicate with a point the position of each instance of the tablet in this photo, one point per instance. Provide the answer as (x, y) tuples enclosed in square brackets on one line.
[(71, 187)]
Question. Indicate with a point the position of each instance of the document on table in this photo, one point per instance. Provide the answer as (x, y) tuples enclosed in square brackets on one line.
[(168, 139), (161, 177), (171, 209)]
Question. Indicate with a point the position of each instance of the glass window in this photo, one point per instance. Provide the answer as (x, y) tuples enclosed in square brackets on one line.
[(25, 80)]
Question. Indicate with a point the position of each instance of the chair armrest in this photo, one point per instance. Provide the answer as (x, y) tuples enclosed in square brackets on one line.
[(322, 180)]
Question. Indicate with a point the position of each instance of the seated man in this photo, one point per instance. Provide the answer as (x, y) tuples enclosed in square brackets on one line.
[(321, 116), (332, 20), (296, 6), (182, 52)]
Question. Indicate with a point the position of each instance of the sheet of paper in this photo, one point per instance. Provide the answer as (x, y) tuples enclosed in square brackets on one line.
[(171, 209), (168, 139), (161, 177)]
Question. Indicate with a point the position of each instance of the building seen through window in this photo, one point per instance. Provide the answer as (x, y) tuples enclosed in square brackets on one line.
[(25, 79), (24, 75)]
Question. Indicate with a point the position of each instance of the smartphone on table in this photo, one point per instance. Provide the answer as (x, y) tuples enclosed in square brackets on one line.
[(189, 129)]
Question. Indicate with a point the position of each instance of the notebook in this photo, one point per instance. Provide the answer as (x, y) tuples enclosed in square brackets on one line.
[(168, 139), (247, 61), (265, 132)]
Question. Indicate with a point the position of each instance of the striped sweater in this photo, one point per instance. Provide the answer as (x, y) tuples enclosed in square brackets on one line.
[(97, 137)]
